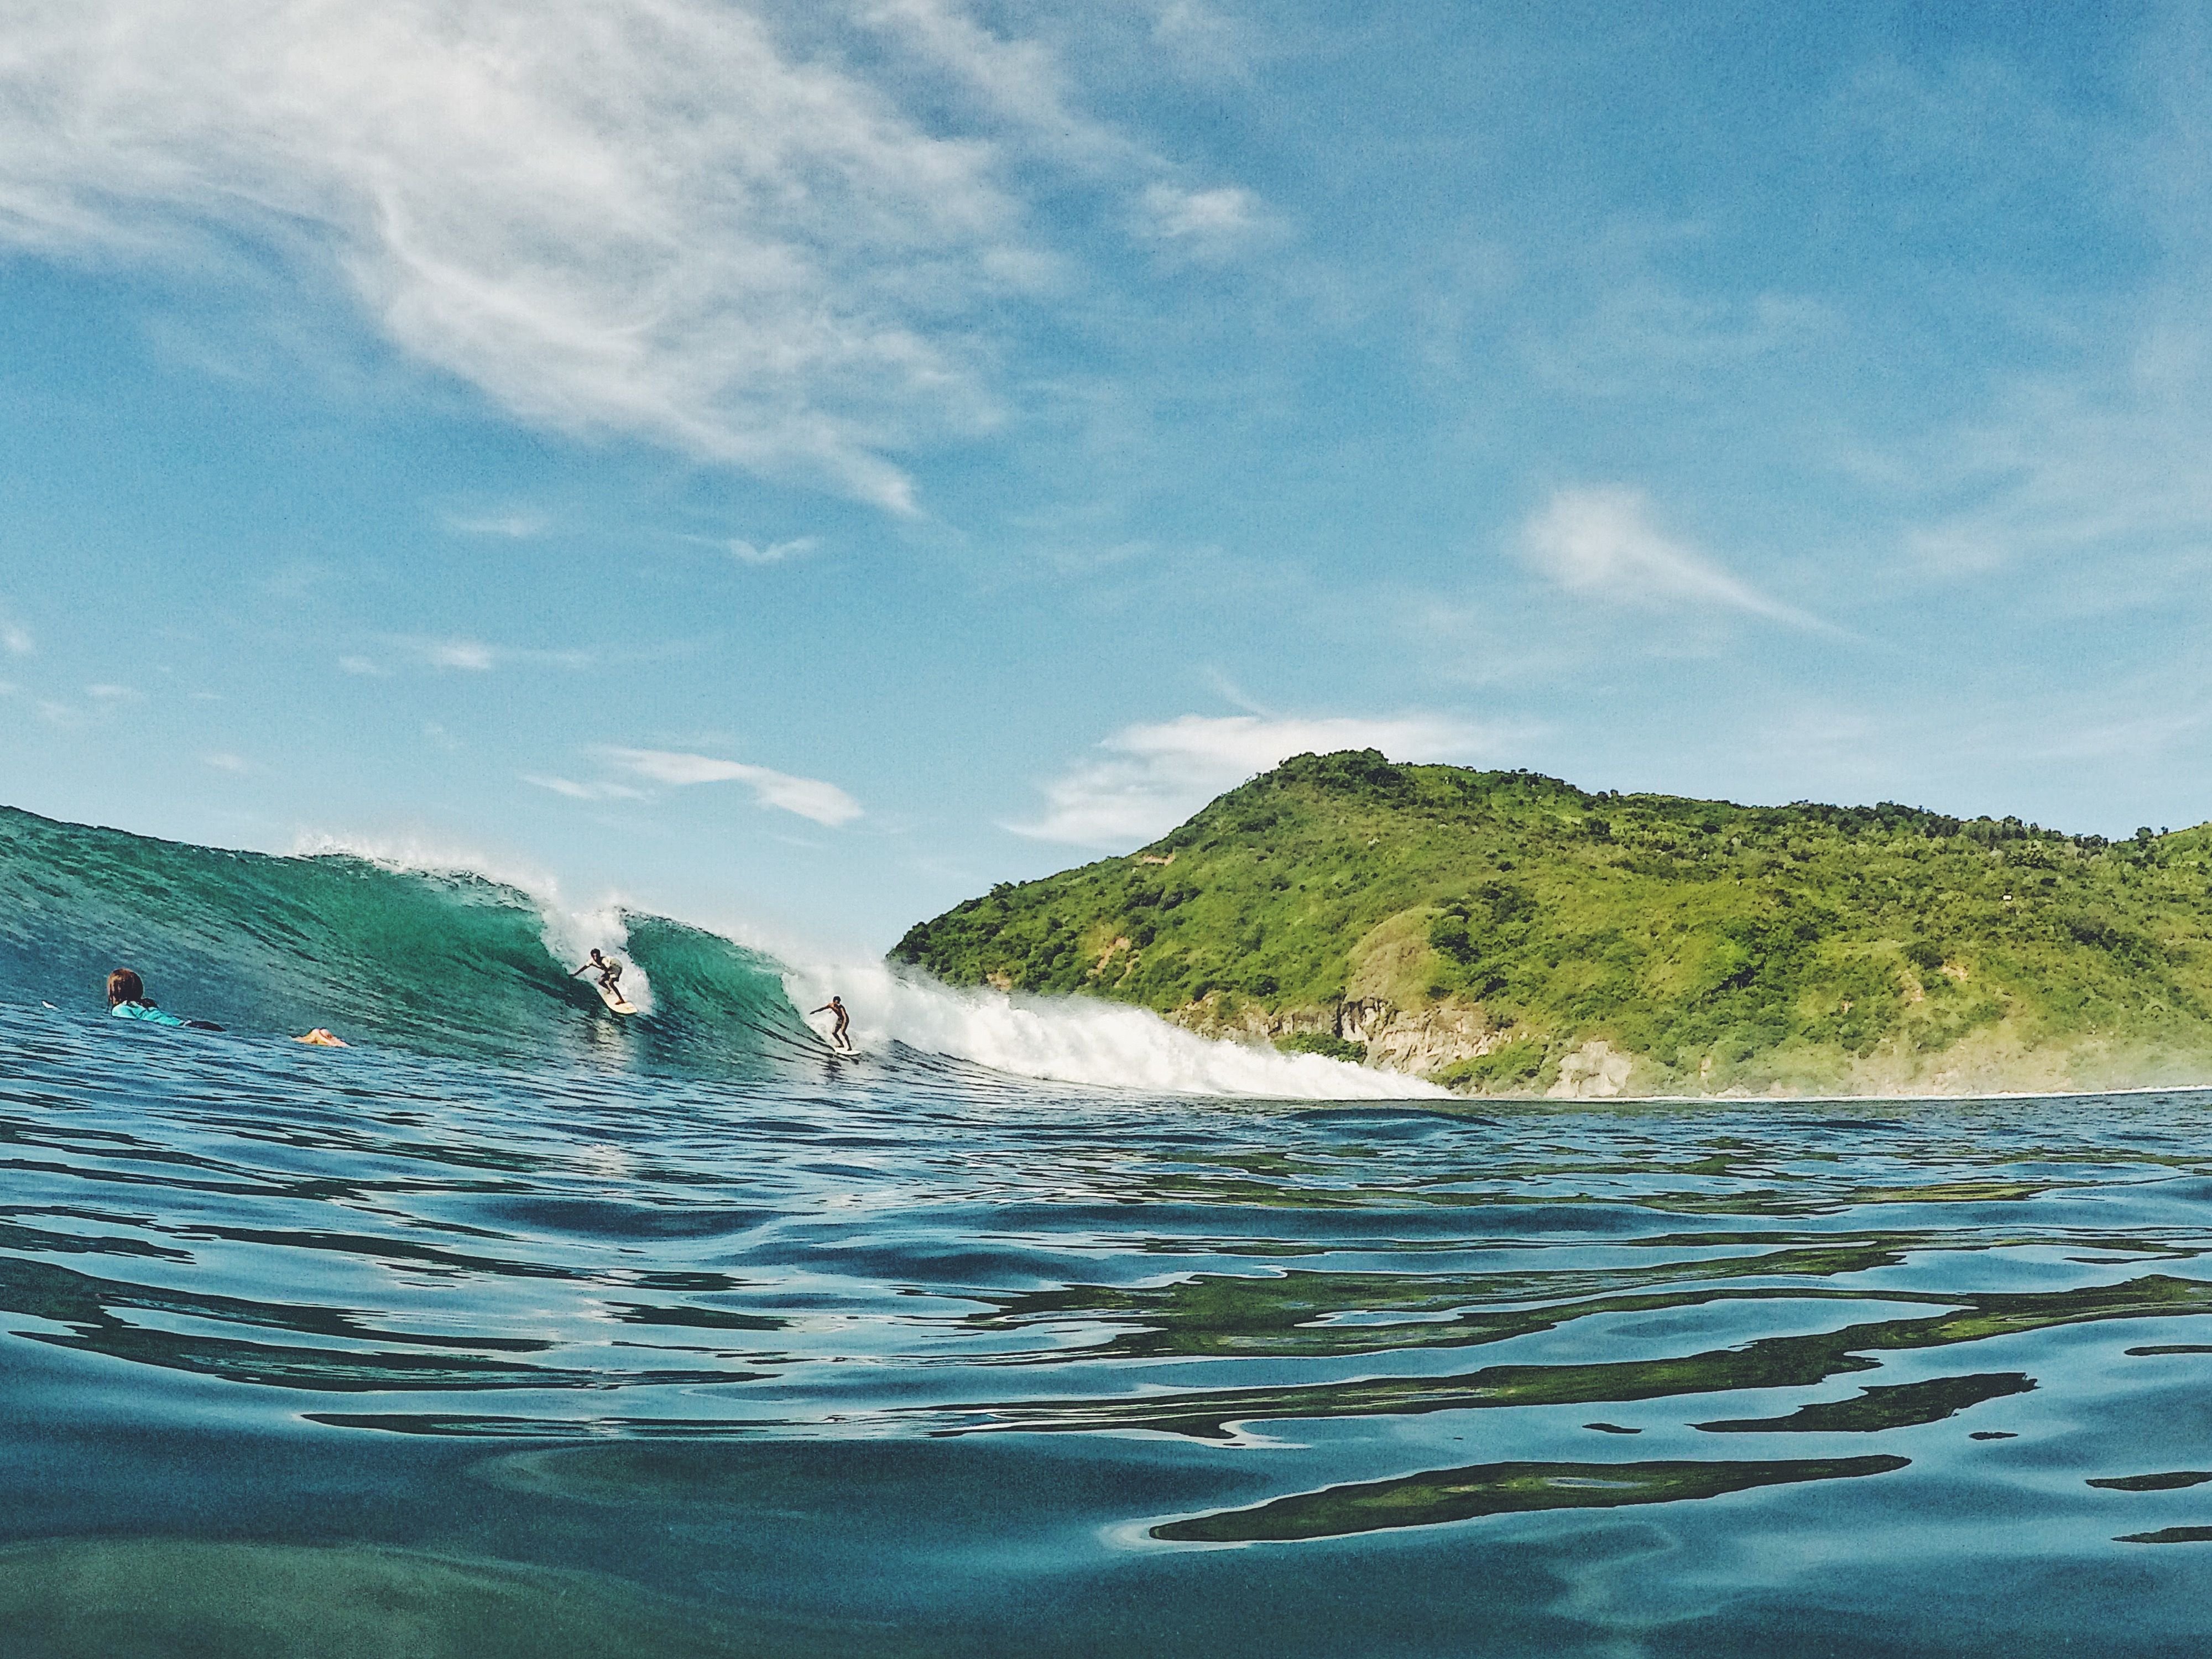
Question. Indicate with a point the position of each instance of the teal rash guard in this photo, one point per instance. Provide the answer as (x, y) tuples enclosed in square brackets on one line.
[(145, 1011)]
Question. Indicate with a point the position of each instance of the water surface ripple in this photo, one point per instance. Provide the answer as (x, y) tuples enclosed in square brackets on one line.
[(905, 1357)]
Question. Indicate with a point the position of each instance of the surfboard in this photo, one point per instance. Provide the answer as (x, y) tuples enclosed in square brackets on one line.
[(843, 1050), (614, 1000)]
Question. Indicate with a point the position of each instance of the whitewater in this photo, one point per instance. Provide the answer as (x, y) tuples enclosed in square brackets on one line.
[(520, 1329)]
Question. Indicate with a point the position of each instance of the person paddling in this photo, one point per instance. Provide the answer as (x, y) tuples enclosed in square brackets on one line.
[(127, 1000), (838, 1031), (609, 970)]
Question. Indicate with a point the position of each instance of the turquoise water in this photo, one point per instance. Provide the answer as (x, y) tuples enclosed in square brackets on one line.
[(680, 1337)]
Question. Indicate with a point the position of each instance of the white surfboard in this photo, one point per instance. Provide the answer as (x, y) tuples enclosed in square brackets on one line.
[(823, 1030), (614, 1000)]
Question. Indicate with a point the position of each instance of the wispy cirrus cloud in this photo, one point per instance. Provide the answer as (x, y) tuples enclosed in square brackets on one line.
[(100, 700), (1207, 225), (507, 526), (745, 552), (575, 790), (473, 656), (647, 217), (468, 656), (1601, 543), (758, 235), (1150, 777), (810, 798)]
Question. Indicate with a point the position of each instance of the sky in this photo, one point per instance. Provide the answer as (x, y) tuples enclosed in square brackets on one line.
[(794, 465)]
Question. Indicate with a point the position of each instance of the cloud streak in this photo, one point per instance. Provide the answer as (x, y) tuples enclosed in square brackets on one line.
[(810, 798), (745, 552), (463, 654), (1150, 777), (575, 790), (1601, 543)]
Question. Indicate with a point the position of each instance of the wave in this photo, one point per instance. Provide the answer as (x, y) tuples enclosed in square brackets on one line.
[(1073, 1040), (435, 952)]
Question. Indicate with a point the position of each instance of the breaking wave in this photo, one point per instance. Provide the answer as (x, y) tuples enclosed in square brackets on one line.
[(415, 950)]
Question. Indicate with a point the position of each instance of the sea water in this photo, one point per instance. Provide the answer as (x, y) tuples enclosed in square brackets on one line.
[(368, 1353), (682, 1336)]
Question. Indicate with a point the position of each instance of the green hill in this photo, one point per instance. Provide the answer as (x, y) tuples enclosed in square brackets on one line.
[(1505, 933)]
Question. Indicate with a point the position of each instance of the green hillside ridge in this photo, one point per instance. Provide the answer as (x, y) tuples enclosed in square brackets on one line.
[(1505, 933)]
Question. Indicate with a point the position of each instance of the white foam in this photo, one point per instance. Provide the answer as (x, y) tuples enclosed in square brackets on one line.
[(1079, 1039), (569, 935)]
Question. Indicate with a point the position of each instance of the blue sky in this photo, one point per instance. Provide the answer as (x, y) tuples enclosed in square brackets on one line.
[(794, 465)]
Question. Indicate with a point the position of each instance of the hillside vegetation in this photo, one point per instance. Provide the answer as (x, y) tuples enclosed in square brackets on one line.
[(1508, 932)]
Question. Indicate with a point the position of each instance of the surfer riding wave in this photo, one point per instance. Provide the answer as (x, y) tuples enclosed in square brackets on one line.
[(838, 1039), (610, 973)]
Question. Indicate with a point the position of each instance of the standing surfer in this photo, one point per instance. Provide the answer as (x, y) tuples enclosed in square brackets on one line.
[(610, 971), (838, 1031)]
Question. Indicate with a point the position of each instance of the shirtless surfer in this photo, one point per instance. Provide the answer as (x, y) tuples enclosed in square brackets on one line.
[(609, 970), (838, 1031)]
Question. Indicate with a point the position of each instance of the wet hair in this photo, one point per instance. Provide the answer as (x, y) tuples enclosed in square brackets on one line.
[(125, 986)]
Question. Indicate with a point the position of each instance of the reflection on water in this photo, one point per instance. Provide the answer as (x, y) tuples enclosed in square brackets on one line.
[(928, 1360), (1432, 1498)]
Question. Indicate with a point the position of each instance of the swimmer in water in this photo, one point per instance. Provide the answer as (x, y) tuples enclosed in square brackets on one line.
[(837, 1032), (127, 1000)]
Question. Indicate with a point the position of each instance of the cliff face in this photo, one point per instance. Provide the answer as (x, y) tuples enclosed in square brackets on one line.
[(1507, 933)]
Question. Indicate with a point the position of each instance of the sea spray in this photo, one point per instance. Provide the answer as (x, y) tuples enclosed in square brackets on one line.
[(1070, 1040)]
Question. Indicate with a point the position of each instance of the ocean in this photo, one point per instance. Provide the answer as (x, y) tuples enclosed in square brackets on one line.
[(516, 1328)]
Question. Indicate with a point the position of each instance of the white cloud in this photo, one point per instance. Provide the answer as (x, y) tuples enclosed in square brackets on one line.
[(222, 761), (513, 527), (1208, 225), (746, 552), (473, 655), (1153, 777), (649, 216), (15, 638), (1600, 542), (109, 695), (363, 665), (810, 798), (575, 790), (1200, 41)]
